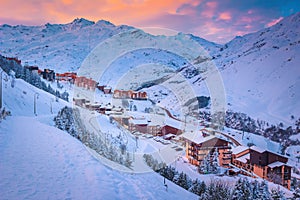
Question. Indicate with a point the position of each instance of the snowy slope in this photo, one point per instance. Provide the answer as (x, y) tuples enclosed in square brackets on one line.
[(259, 70), (63, 47), (20, 99), (57, 46), (40, 161), (260, 73)]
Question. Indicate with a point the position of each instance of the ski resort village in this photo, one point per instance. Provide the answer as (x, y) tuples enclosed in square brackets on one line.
[(137, 131)]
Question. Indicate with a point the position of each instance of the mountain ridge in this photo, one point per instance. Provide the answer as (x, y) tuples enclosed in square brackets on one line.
[(259, 69)]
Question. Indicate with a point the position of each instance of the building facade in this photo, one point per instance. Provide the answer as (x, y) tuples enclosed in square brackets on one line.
[(265, 164), (86, 83), (197, 148), (129, 94)]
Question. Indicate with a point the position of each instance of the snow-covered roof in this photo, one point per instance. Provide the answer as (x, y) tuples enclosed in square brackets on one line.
[(208, 129), (244, 158), (96, 104), (198, 137), (117, 109), (260, 150), (168, 135), (256, 148), (155, 121), (239, 149), (136, 115), (173, 123), (138, 121), (235, 170), (276, 164)]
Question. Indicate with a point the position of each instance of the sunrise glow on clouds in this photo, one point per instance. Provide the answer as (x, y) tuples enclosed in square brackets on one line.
[(218, 21)]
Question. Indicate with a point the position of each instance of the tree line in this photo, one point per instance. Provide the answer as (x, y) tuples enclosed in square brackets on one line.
[(18, 71), (217, 189), (69, 120)]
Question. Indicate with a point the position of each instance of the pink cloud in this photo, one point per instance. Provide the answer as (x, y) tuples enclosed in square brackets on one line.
[(210, 9), (246, 19), (212, 4), (273, 22), (194, 3), (248, 26), (224, 16), (250, 12)]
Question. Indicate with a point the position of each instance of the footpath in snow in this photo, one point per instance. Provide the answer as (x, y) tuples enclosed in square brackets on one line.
[(39, 161)]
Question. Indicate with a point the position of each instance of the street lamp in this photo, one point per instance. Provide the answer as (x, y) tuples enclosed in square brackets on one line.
[(51, 100), (36, 96)]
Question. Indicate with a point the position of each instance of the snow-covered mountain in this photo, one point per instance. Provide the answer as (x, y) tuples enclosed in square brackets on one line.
[(57, 46), (260, 70)]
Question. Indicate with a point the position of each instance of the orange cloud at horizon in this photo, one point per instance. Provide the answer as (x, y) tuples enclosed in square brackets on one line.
[(211, 19), (64, 11)]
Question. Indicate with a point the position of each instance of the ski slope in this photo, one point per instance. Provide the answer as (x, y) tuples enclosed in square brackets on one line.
[(39, 161)]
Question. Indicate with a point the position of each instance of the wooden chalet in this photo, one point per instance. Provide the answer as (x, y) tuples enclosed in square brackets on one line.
[(129, 94), (172, 126), (68, 76), (14, 59), (33, 69), (80, 102), (86, 83), (140, 125), (265, 164), (105, 89), (199, 145), (48, 74)]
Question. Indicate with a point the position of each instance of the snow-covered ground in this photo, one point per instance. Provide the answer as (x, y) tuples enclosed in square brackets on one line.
[(20, 99), (40, 161), (260, 73), (295, 137), (251, 138)]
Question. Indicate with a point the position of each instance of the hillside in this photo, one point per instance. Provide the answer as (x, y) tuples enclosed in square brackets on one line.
[(56, 46), (259, 70), (40, 161)]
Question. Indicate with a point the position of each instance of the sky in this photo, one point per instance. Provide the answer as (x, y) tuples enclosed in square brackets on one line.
[(215, 20)]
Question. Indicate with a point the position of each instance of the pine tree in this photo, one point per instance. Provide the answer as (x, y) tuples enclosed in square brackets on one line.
[(65, 96), (296, 194), (198, 187), (242, 190), (255, 190), (215, 162), (216, 190), (134, 108), (128, 161), (204, 166), (277, 194), (181, 180), (264, 191), (170, 173), (238, 190)]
